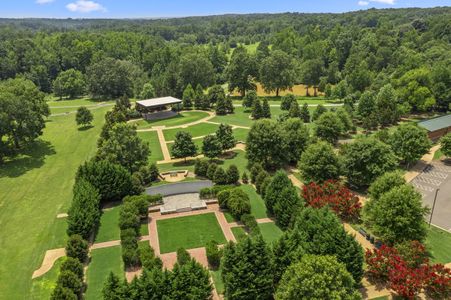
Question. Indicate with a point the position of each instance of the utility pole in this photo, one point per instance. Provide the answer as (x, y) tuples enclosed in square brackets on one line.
[(433, 206)]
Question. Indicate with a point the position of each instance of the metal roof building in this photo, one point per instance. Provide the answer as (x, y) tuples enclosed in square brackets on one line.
[(437, 127), (158, 102)]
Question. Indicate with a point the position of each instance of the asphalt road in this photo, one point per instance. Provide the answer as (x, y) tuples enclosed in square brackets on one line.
[(179, 188), (436, 176)]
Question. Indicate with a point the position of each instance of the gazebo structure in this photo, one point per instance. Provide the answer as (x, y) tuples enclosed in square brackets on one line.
[(158, 108)]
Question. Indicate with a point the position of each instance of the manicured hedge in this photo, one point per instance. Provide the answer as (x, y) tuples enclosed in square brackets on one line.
[(210, 193)]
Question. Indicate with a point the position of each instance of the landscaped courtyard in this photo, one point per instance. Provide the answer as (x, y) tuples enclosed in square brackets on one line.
[(188, 232)]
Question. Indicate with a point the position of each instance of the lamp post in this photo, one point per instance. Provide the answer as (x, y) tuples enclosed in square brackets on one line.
[(433, 206)]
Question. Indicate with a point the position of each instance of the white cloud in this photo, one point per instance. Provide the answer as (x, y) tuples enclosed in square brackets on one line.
[(44, 1), (363, 3), (85, 6), (391, 2)]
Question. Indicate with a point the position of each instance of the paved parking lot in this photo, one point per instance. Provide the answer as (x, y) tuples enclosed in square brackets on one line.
[(436, 176)]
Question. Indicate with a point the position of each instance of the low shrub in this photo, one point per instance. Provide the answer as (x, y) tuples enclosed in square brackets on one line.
[(244, 178), (213, 254), (141, 203), (77, 247), (210, 193), (260, 179), (233, 175), (250, 224), (129, 217), (220, 176), (201, 167), (130, 257), (223, 197), (238, 203), (211, 171)]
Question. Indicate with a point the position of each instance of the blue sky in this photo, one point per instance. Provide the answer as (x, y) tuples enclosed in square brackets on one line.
[(177, 8)]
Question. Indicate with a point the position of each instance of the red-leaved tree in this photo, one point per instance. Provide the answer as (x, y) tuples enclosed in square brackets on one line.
[(339, 198), (407, 271)]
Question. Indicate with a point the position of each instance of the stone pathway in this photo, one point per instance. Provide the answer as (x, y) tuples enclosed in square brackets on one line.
[(49, 260), (163, 145), (421, 164), (92, 107)]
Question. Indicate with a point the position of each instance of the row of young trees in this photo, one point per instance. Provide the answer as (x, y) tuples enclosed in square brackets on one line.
[(212, 145)]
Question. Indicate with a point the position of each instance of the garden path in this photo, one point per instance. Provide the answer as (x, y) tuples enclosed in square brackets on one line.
[(211, 115)]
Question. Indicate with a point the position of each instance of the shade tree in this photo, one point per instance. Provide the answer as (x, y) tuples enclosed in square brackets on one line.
[(319, 163), (83, 116), (410, 142), (70, 83), (211, 146), (277, 72), (183, 146)]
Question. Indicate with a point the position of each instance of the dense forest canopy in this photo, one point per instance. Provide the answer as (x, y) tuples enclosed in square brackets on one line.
[(353, 51)]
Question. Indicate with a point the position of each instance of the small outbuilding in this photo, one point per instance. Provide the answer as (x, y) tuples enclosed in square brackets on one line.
[(158, 108), (437, 127)]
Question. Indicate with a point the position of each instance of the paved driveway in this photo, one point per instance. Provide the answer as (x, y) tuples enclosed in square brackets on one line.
[(179, 188), (436, 176)]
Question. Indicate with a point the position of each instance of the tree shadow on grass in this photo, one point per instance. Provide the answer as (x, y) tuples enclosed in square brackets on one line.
[(84, 128), (29, 158)]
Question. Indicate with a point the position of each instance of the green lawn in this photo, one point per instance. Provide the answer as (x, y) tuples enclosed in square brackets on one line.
[(239, 117), (229, 218), (188, 232), (195, 130), (239, 159), (154, 145), (103, 261), (74, 102), (258, 208), (239, 233), (438, 154), (438, 243), (109, 226), (42, 287), (217, 280), (183, 118), (240, 134), (270, 232), (35, 187)]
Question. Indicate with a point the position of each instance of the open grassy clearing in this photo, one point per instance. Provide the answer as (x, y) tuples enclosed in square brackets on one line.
[(181, 119), (240, 134), (42, 287), (154, 145), (103, 261), (270, 232), (36, 186), (188, 232), (55, 102), (239, 233), (195, 130), (297, 90), (438, 243)]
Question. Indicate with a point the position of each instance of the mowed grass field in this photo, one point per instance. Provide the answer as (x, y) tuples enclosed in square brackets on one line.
[(297, 90), (188, 232), (35, 187), (103, 261), (154, 145)]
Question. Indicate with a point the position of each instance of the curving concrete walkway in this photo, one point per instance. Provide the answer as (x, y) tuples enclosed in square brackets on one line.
[(211, 115)]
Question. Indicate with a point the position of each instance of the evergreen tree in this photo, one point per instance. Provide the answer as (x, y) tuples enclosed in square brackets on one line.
[(245, 178), (199, 97), (221, 107), (255, 170), (77, 247), (287, 101), (294, 111), (279, 182), (188, 97), (305, 113), (211, 171), (211, 146), (247, 270), (83, 116), (225, 136), (296, 138), (266, 111), (257, 112), (183, 146), (260, 179), (190, 281), (320, 109), (229, 105), (220, 176), (286, 206), (233, 175), (249, 99), (112, 288)]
